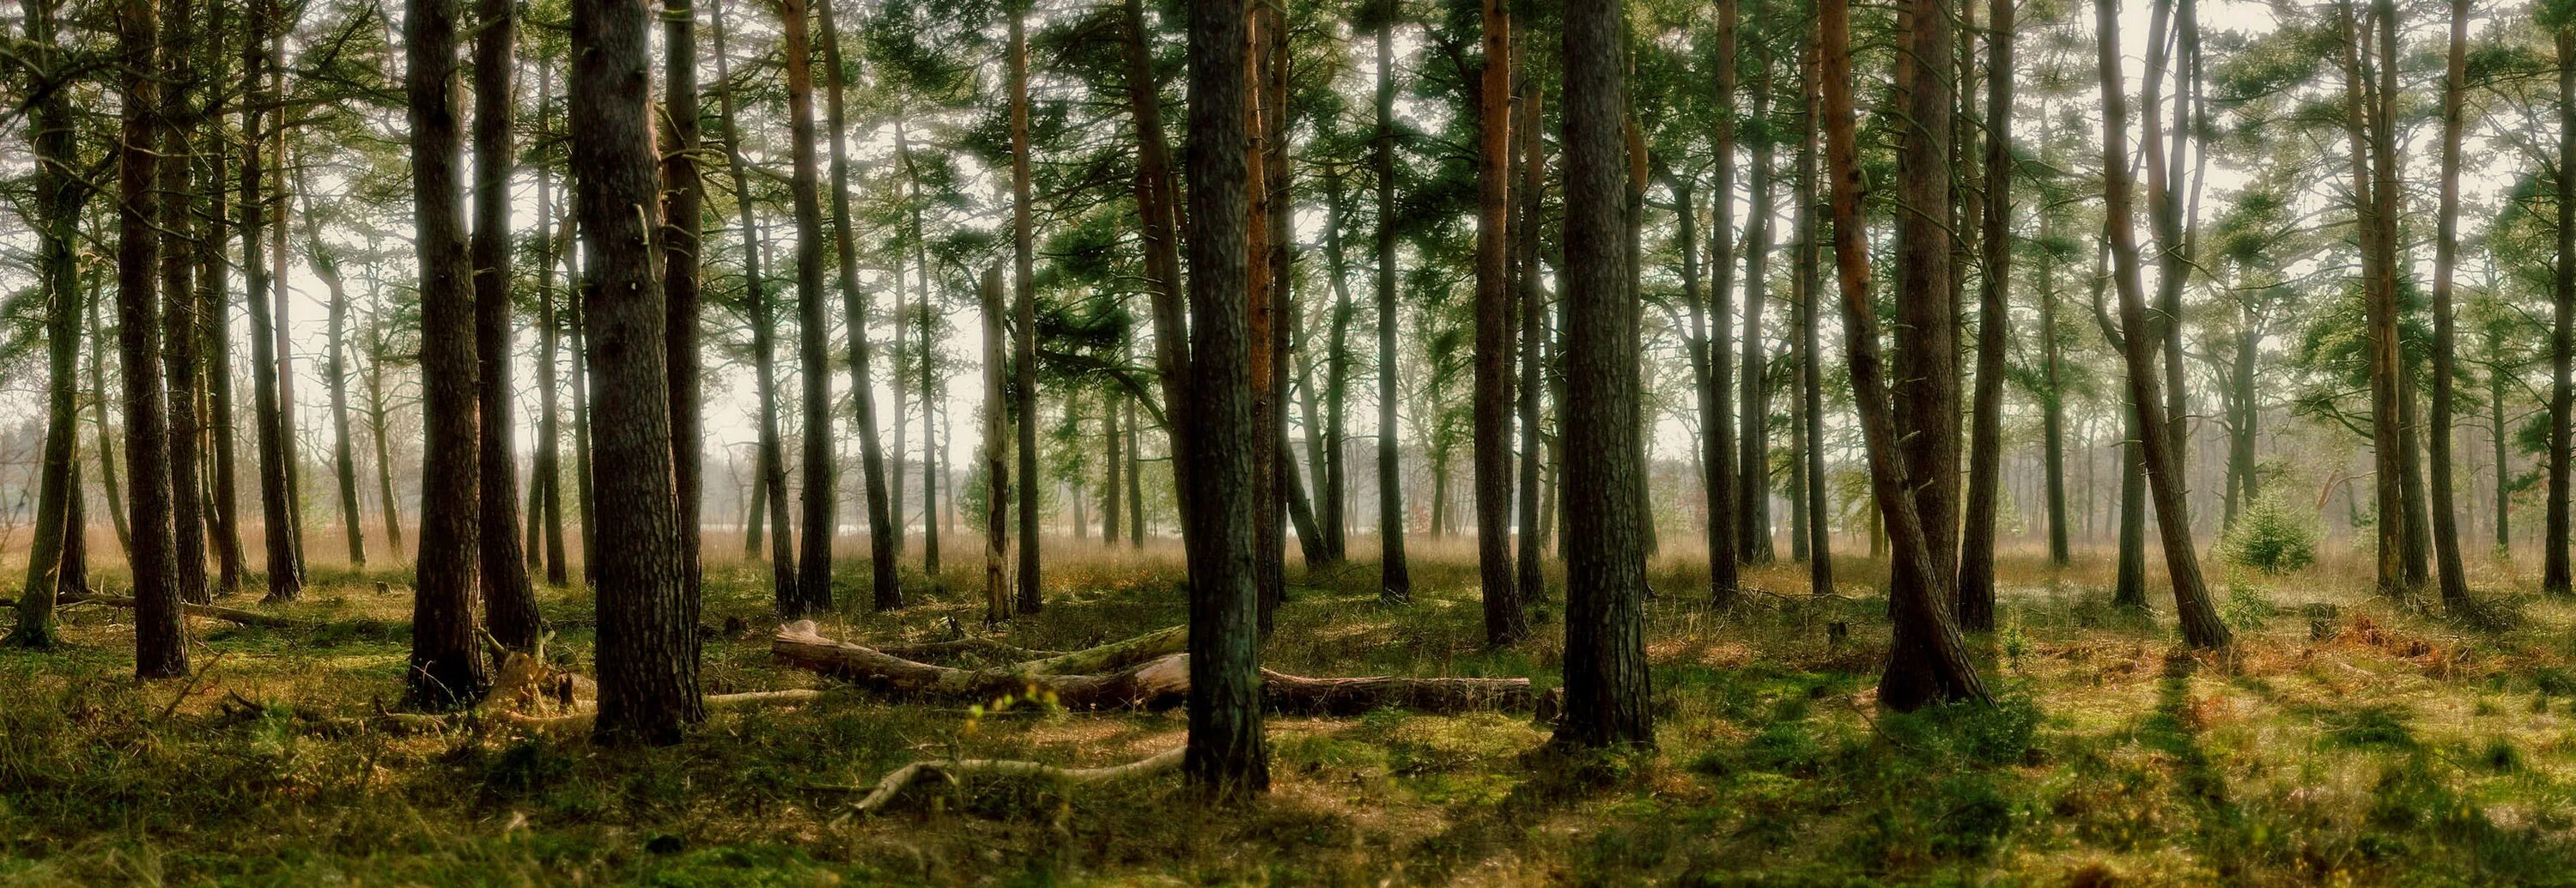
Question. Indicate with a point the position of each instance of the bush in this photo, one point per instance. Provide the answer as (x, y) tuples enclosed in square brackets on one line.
[(2271, 536)]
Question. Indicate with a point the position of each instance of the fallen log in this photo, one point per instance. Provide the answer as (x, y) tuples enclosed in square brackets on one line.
[(1160, 683), (931, 650), (237, 615), (1113, 656), (955, 768), (580, 721)]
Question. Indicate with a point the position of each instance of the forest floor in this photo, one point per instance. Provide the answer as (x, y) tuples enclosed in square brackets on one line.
[(2372, 745)]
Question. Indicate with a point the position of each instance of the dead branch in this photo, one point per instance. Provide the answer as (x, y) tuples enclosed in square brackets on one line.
[(955, 768)]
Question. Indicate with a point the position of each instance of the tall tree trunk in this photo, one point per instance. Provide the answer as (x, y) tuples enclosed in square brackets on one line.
[(100, 398), (2554, 576), (59, 199), (930, 452), (585, 500), (1261, 326), (1337, 370), (285, 572), (1994, 316), (771, 483), (885, 593), (1135, 484), (1927, 355), (1753, 453), (2200, 625), (181, 338), (1717, 427), (2446, 528), (684, 201), (215, 322), (1395, 579), (1811, 381), (548, 467), (2053, 402), (1505, 621), (814, 561), (1531, 577), (1606, 681), (2387, 425), (648, 651), (379, 413), (1157, 205), (1939, 668), (1024, 314), (1225, 753), (160, 642), (1110, 493), (509, 601), (446, 668)]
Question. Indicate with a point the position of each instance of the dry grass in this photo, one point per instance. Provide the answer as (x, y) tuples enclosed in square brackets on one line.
[(2389, 748)]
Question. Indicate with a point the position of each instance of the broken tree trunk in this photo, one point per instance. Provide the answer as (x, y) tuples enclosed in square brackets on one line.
[(1159, 683)]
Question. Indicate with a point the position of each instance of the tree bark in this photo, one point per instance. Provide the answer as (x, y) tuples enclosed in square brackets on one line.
[(2554, 576), (1395, 579), (684, 201), (996, 455), (1024, 312), (1606, 681), (1717, 426), (1531, 577), (1753, 453), (1226, 754), (509, 601), (1505, 621), (648, 640), (1927, 356), (1937, 668), (335, 367), (447, 670), (1994, 317), (1811, 384), (59, 199), (772, 470), (2446, 528), (160, 644), (814, 560), (548, 467), (285, 571)]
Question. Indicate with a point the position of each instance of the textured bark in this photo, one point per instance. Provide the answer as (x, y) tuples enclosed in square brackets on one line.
[(1606, 682), (180, 334), (885, 593), (648, 640), (2200, 625), (1226, 754), (1505, 621), (930, 453), (285, 570), (2053, 405), (2446, 527), (1753, 450), (1994, 317), (1024, 313), (813, 331), (509, 601), (1937, 668), (995, 453), (1157, 207), (1335, 491), (548, 467), (1395, 579), (446, 669), (160, 645), (684, 201), (1926, 385), (2385, 355), (1269, 541), (215, 314), (59, 199)]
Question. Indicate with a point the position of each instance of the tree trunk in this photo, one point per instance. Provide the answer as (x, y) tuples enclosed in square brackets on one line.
[(1606, 682), (1261, 326), (2555, 579), (548, 467), (379, 412), (214, 304), (1753, 453), (335, 366), (2053, 406), (1994, 315), (1024, 313), (285, 572), (1717, 426), (1936, 668), (813, 330), (1110, 492), (160, 644), (1505, 621), (1811, 384), (684, 201), (2446, 529), (1530, 574), (1226, 754), (447, 670), (770, 487), (648, 652), (509, 602), (996, 455), (1337, 371), (931, 455), (1926, 387), (59, 199), (2200, 625), (1395, 579), (885, 593)]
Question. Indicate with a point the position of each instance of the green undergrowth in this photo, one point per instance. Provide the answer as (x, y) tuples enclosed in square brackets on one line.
[(2380, 746)]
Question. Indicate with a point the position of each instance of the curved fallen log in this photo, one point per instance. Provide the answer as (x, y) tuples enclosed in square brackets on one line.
[(955, 768), (1160, 683)]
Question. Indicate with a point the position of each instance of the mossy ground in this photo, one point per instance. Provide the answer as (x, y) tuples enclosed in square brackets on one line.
[(2375, 746)]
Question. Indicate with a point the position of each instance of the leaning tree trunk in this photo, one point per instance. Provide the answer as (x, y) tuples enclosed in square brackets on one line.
[(335, 369), (59, 198), (509, 601), (885, 593), (648, 651), (1606, 683), (446, 670), (814, 561), (1939, 669), (772, 462), (1505, 621), (2200, 624)]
